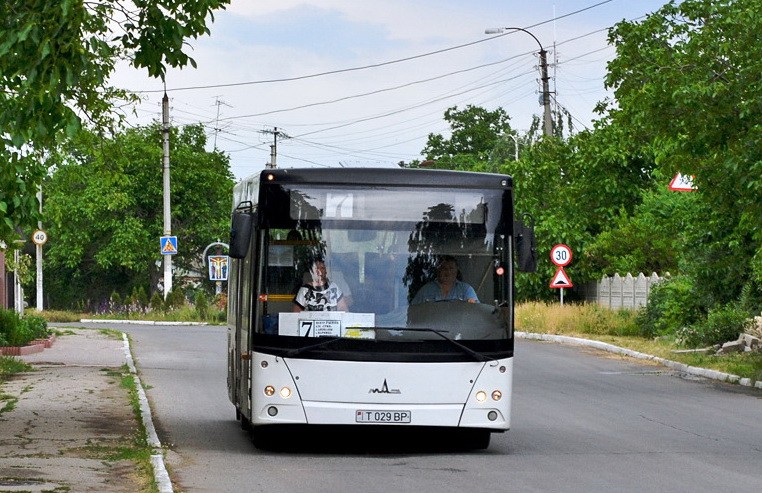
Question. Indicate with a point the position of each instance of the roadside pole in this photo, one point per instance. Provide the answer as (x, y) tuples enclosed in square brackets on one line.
[(39, 239), (167, 215), (561, 256)]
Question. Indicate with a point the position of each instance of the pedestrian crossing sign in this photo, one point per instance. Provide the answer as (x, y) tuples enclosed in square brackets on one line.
[(168, 245)]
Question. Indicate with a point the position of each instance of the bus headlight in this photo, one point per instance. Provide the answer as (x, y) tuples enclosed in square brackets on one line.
[(269, 391), (496, 395), (481, 396), (285, 392)]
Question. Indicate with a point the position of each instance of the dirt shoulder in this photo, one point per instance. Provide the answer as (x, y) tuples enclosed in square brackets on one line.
[(72, 426)]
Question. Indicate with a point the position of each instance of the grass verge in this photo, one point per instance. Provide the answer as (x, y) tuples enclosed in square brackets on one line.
[(10, 366), (137, 451), (618, 327), (182, 314)]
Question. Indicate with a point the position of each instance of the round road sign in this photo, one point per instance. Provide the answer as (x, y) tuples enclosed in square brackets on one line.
[(39, 237), (561, 255)]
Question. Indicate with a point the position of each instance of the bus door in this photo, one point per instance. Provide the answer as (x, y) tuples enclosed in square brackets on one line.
[(243, 336)]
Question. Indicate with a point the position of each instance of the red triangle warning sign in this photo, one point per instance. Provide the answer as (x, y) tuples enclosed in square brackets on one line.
[(561, 280), (682, 183)]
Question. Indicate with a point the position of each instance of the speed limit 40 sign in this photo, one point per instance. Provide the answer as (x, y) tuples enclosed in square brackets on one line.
[(561, 255), (39, 237)]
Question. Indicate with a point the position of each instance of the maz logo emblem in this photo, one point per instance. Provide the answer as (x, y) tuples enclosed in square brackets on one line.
[(385, 390)]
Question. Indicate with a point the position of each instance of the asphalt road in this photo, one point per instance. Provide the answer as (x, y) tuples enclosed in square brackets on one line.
[(583, 421)]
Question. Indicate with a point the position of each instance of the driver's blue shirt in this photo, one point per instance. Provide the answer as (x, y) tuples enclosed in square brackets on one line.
[(432, 292)]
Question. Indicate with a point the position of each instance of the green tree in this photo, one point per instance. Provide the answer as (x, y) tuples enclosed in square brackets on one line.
[(575, 189), (56, 59), (104, 207), (651, 239), (686, 80), (475, 133)]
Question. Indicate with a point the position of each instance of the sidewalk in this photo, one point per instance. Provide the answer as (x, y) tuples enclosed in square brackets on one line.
[(72, 415)]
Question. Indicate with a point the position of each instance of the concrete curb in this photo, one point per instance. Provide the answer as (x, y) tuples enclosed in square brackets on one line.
[(136, 322), (692, 370), (163, 482)]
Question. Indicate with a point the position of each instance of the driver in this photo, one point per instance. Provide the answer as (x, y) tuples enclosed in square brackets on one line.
[(446, 286)]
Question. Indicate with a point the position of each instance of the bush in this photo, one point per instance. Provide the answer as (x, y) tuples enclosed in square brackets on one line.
[(14, 332), (140, 297), (671, 306), (723, 324), (157, 303), (17, 331), (37, 326), (201, 302), (116, 300), (175, 299), (751, 298)]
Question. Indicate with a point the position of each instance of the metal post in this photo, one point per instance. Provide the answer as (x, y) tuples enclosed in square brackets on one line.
[(18, 291), (167, 215), (515, 147), (38, 251)]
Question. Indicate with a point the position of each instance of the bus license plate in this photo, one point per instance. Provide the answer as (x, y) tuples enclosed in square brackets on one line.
[(371, 416)]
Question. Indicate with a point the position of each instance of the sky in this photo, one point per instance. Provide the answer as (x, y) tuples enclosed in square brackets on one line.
[(341, 83)]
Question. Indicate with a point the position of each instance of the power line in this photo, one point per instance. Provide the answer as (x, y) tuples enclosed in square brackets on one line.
[(378, 91), (374, 65), (450, 94), (409, 84)]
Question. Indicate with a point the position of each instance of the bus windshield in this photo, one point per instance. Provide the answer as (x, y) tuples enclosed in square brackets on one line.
[(384, 263)]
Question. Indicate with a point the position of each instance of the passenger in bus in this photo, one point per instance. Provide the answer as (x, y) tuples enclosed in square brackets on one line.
[(318, 294), (446, 286)]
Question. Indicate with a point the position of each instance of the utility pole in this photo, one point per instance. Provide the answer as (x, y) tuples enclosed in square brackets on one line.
[(274, 147), (167, 215), (547, 120), (217, 129)]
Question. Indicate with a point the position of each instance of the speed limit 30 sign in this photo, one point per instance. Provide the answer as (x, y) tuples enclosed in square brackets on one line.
[(561, 255)]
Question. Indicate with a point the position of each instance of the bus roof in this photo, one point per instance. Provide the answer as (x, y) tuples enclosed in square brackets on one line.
[(386, 176)]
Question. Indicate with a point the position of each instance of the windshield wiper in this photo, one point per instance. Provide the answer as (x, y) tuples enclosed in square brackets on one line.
[(440, 333), (302, 349)]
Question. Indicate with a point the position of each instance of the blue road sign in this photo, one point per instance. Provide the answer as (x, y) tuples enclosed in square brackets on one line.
[(168, 245)]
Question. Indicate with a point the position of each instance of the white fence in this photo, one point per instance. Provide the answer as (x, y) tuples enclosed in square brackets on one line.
[(621, 292)]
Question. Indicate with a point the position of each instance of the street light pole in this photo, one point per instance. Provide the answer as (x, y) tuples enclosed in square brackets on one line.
[(547, 121), (166, 194), (516, 146)]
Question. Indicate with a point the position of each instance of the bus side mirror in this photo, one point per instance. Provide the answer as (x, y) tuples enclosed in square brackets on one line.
[(526, 248), (240, 233)]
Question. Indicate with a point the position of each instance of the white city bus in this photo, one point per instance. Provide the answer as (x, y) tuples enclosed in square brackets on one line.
[(382, 360)]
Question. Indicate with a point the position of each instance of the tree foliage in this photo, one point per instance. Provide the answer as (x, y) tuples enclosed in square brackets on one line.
[(56, 57), (686, 80), (575, 189), (475, 133), (104, 208), (686, 84)]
